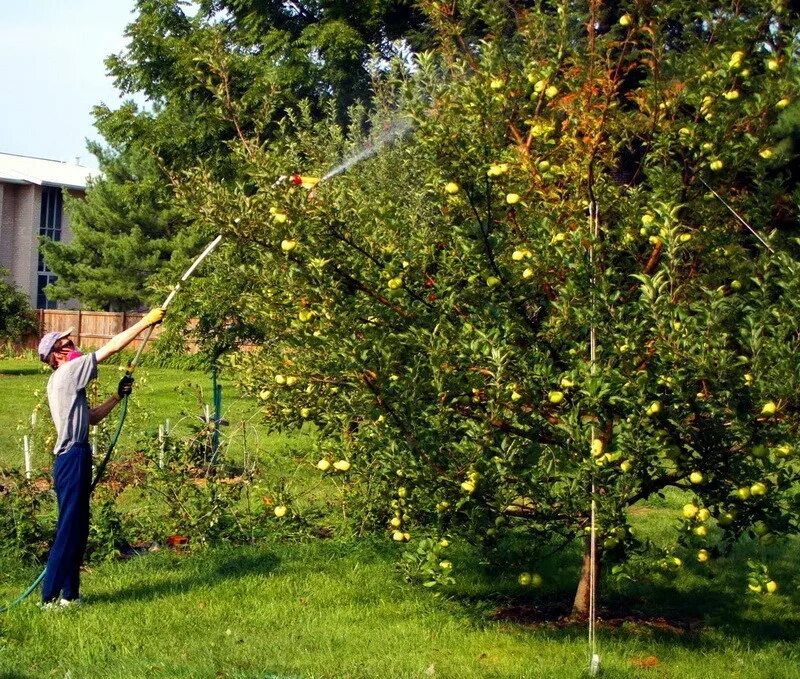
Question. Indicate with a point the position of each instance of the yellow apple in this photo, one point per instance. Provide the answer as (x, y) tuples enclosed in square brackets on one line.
[(512, 198), (769, 408), (445, 565), (700, 531), (323, 465), (397, 536), (288, 245), (697, 478), (341, 465), (783, 103), (524, 579), (555, 397), (690, 510), (280, 511), (551, 92), (772, 587), (496, 84), (395, 522), (758, 488), (654, 408), (703, 555), (451, 188), (468, 487), (766, 154), (625, 20)]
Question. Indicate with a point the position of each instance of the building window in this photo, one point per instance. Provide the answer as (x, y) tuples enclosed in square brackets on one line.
[(49, 227)]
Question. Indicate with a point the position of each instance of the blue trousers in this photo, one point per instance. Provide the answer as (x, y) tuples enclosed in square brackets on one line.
[(72, 476)]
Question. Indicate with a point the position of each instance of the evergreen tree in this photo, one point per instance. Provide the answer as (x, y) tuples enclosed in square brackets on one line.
[(122, 234)]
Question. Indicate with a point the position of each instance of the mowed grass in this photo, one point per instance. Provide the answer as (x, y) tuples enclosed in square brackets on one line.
[(340, 608), (331, 609)]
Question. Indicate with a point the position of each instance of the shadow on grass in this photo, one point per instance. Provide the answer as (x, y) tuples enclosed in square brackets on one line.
[(15, 675), (17, 371), (207, 572), (673, 612)]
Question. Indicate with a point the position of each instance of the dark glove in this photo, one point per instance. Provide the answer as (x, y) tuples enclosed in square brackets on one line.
[(125, 386)]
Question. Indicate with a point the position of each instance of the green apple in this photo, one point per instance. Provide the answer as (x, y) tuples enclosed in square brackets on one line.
[(280, 218), (700, 531), (291, 380), (442, 506), (758, 488), (654, 408), (716, 165), (304, 315), (759, 450), (536, 580), (766, 153), (726, 519), (402, 491), (524, 579), (648, 219), (496, 84), (743, 493), (731, 95), (305, 413), (445, 565), (610, 543), (703, 515), (625, 466), (492, 281), (394, 283), (551, 92)]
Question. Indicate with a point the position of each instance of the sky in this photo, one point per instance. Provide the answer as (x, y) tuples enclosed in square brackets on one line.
[(52, 73)]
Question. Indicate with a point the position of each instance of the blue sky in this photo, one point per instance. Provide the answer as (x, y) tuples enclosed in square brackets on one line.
[(51, 65)]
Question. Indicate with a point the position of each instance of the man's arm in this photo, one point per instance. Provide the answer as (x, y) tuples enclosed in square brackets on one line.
[(99, 413), (123, 339)]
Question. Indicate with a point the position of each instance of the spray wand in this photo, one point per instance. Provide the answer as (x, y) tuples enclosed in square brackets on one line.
[(135, 360)]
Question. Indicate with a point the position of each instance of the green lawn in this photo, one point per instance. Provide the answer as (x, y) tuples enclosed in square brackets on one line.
[(340, 608), (331, 609)]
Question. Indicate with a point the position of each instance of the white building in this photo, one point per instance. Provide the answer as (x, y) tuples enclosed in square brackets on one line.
[(31, 205)]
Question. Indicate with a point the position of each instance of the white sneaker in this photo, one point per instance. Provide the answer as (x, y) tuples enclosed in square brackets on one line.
[(49, 605), (69, 603)]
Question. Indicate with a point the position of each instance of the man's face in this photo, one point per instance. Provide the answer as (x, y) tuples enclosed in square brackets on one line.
[(61, 351)]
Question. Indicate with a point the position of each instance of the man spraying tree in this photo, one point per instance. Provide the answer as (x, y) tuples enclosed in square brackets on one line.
[(72, 469)]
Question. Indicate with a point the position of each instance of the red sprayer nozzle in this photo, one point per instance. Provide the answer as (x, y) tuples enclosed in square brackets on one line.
[(304, 180)]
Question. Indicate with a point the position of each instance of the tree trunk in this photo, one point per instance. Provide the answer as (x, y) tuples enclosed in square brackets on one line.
[(580, 606)]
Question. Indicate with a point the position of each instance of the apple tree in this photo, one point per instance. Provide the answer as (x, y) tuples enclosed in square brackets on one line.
[(579, 270)]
